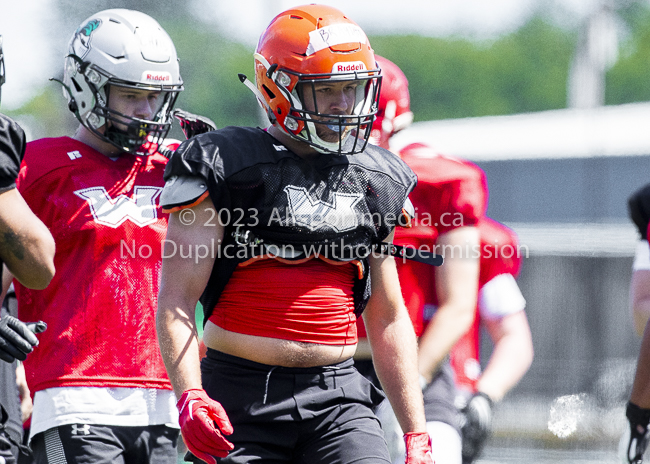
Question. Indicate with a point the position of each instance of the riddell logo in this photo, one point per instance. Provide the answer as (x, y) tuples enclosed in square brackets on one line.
[(156, 76), (349, 67)]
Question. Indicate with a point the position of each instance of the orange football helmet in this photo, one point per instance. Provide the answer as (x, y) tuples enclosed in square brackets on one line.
[(394, 113), (307, 45)]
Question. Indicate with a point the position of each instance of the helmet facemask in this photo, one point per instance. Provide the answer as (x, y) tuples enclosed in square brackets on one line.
[(327, 132), (128, 133)]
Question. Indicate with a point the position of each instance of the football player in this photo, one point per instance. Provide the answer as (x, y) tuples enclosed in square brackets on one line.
[(639, 211), (298, 215), (450, 202), (26, 246), (500, 311), (449, 199), (635, 441), (27, 249), (104, 395)]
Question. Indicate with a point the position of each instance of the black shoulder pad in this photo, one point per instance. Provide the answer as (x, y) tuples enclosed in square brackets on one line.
[(387, 162)]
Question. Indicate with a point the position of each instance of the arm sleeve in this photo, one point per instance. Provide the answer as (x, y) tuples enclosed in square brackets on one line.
[(641, 256), (12, 150), (500, 297), (501, 258)]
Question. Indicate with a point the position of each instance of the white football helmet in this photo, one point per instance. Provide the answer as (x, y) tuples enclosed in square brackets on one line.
[(125, 48)]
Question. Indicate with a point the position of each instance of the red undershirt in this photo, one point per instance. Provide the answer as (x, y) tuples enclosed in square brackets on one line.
[(308, 302)]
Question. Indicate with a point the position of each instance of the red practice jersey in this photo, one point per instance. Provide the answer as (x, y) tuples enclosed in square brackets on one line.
[(450, 193), (500, 259), (108, 228)]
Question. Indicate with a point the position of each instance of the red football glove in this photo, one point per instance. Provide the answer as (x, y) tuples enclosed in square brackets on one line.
[(418, 448), (198, 416)]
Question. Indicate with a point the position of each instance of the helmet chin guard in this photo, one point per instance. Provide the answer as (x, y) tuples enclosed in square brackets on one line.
[(307, 46), (121, 48)]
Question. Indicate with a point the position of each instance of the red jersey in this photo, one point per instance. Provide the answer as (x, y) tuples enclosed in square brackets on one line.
[(500, 257), (108, 228), (269, 298)]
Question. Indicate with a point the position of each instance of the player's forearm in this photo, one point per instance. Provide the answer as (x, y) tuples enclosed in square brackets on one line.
[(183, 281), (641, 314), (179, 345), (448, 325), (395, 359), (640, 298), (641, 387), (456, 289), (510, 360)]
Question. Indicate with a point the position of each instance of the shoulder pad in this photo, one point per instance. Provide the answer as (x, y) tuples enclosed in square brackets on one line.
[(182, 192)]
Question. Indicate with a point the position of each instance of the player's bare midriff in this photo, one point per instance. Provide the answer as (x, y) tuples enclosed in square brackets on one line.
[(363, 350), (273, 351)]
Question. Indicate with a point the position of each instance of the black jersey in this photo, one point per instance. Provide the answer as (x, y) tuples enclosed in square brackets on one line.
[(332, 206), (12, 149)]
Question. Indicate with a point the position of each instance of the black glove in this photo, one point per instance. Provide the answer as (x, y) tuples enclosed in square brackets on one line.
[(193, 124), (477, 425), (638, 419), (6, 441), (189, 457), (6, 453), (16, 338)]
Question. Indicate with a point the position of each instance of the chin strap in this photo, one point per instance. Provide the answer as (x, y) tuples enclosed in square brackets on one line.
[(72, 105)]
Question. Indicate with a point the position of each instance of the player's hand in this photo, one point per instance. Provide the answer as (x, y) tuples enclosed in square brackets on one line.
[(477, 425), (418, 448), (204, 423), (16, 338), (638, 419), (193, 124)]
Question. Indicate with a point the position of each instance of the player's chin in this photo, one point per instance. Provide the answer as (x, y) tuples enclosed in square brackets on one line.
[(119, 126), (331, 133)]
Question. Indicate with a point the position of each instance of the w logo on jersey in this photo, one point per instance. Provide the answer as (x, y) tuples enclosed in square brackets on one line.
[(112, 212), (316, 214)]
